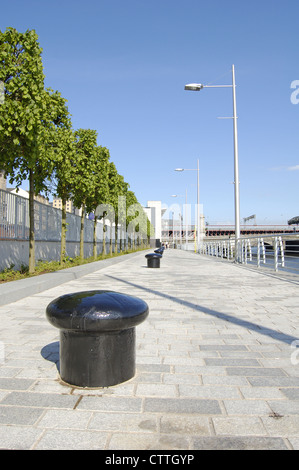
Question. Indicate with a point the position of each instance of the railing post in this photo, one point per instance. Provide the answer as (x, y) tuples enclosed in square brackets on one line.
[(23, 219), (242, 251), (281, 251), (275, 254), (16, 218), (250, 252), (263, 250)]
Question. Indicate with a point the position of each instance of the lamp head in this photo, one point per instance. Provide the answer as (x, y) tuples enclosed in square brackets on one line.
[(194, 86)]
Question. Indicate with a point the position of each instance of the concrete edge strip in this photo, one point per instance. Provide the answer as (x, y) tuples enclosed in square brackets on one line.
[(16, 290)]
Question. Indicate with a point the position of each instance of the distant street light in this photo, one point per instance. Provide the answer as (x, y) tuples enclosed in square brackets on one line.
[(194, 86), (197, 238), (198, 87), (186, 224)]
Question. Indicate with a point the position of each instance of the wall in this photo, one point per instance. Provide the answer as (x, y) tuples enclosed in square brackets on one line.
[(16, 252), (14, 232)]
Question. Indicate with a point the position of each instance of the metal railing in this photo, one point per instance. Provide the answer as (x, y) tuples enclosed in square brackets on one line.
[(14, 221), (276, 252)]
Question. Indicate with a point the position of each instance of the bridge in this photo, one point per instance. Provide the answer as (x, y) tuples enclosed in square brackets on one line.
[(224, 231), (245, 230)]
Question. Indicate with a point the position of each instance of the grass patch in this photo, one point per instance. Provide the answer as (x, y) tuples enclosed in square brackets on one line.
[(42, 267)]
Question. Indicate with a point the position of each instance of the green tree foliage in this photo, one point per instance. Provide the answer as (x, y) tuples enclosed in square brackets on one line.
[(28, 118), (64, 165), (117, 198), (99, 194), (37, 143), (84, 180), (131, 200)]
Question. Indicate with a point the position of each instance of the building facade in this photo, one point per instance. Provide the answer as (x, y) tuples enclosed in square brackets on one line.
[(57, 202)]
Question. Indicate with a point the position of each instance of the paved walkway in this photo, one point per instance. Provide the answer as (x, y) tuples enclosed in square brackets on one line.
[(217, 366)]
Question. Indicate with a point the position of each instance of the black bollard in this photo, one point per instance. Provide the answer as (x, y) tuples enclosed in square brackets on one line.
[(97, 336), (153, 260)]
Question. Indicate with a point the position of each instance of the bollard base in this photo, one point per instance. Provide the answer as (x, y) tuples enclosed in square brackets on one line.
[(153, 263), (97, 360), (153, 260)]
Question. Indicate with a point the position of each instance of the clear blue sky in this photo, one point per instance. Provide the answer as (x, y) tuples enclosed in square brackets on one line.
[(122, 66)]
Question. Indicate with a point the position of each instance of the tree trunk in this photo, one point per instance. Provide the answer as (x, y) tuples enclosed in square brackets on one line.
[(111, 238), (31, 224), (104, 238), (82, 233), (63, 231), (116, 237), (95, 237), (120, 239)]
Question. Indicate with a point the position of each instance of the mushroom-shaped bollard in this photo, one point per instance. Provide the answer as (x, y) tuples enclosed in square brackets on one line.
[(153, 260), (97, 336)]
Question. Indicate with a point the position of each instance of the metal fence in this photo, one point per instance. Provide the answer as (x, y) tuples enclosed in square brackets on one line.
[(277, 252), (14, 221)]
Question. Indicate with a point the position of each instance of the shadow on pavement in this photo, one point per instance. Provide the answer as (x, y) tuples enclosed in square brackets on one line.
[(285, 338), (50, 352)]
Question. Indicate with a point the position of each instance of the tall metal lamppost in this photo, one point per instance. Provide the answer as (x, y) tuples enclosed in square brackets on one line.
[(197, 239), (198, 87)]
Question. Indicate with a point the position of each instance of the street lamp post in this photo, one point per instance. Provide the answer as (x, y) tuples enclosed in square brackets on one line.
[(198, 87), (173, 228), (197, 239)]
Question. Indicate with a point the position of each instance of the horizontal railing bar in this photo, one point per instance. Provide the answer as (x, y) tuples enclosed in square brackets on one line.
[(271, 251)]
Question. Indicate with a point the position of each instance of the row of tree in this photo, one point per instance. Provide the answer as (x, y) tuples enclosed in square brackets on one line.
[(39, 144)]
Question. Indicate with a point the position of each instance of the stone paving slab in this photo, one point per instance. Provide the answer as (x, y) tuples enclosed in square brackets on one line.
[(12, 291), (217, 363)]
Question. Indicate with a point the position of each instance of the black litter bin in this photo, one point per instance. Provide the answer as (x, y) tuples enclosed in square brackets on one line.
[(97, 336), (153, 260)]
